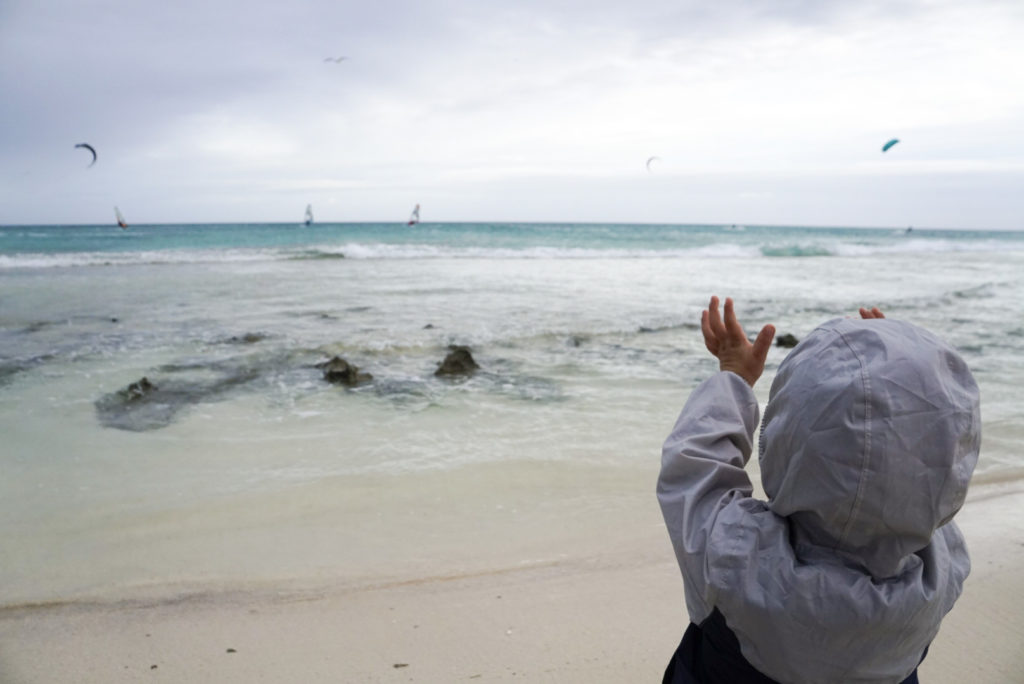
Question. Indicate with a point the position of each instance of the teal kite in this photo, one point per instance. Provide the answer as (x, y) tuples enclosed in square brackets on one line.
[(886, 146)]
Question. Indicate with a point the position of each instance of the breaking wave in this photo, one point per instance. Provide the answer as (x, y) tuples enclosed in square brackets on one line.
[(388, 251)]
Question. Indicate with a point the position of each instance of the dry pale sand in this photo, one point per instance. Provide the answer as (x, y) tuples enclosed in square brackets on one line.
[(613, 616)]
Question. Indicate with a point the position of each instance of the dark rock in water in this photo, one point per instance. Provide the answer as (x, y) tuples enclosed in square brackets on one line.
[(137, 390), (787, 340), (458, 362), (655, 329), (341, 372), (247, 338)]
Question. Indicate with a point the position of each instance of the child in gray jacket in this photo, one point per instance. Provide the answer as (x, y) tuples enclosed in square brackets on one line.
[(869, 438)]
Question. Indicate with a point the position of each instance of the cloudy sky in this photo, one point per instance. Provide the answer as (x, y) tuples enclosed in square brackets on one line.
[(760, 111)]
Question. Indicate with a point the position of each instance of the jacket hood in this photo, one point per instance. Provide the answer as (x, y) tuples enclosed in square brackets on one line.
[(884, 418)]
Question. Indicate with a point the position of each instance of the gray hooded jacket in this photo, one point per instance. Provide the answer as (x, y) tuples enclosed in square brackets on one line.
[(870, 435)]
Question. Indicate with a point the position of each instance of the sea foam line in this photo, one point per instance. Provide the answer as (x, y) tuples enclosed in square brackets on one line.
[(384, 251)]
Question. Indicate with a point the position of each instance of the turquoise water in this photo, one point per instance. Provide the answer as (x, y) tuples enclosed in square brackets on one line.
[(69, 245)]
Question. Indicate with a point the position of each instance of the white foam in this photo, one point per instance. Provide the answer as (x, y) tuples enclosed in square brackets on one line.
[(422, 251), (388, 251), (156, 257), (925, 246)]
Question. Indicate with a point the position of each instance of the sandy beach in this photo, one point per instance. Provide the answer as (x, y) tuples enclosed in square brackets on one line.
[(608, 608)]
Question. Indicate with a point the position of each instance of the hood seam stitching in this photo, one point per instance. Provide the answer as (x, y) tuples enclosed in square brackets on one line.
[(865, 456)]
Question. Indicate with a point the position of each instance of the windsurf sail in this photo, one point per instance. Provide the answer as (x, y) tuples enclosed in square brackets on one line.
[(414, 217), (309, 214), (120, 218)]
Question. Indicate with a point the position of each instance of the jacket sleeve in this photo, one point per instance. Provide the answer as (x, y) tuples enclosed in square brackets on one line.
[(702, 471)]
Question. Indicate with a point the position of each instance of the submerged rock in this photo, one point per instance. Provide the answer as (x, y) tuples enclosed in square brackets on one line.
[(143, 406), (458, 362), (341, 372), (11, 367), (36, 326), (788, 340), (247, 338)]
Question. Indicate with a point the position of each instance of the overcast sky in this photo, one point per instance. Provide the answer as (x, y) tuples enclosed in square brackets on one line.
[(759, 111)]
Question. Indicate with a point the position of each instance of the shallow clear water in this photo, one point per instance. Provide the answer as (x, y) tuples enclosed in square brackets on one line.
[(586, 336)]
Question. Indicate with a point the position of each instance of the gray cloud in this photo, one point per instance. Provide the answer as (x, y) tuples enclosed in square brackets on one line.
[(224, 111)]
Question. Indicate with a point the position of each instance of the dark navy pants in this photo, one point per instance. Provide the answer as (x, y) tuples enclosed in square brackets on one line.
[(710, 654)]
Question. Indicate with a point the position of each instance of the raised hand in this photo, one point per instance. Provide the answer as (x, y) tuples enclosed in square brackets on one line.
[(727, 341)]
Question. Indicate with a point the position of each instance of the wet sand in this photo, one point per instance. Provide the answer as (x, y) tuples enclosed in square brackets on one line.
[(608, 610)]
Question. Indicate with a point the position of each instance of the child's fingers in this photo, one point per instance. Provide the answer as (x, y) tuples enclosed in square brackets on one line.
[(873, 312), (710, 341), (763, 343), (732, 326), (715, 319)]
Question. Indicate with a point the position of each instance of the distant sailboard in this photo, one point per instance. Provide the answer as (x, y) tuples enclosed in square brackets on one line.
[(309, 214), (886, 146), (120, 218), (89, 147), (414, 218)]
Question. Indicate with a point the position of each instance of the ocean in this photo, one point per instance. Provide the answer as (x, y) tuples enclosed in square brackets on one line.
[(245, 464)]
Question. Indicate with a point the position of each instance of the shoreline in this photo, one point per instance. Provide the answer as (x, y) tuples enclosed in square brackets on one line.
[(609, 613)]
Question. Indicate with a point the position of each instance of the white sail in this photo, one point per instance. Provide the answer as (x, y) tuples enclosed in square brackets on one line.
[(309, 214), (120, 218), (414, 218)]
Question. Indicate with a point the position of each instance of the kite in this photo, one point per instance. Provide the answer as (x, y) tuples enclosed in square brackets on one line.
[(336, 60), (886, 146), (88, 147), (652, 159)]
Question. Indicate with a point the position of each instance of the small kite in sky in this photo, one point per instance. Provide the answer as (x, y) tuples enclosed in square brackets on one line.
[(336, 60), (650, 160), (886, 146), (88, 147)]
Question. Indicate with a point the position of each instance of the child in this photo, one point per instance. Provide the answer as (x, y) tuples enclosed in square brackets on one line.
[(870, 435)]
